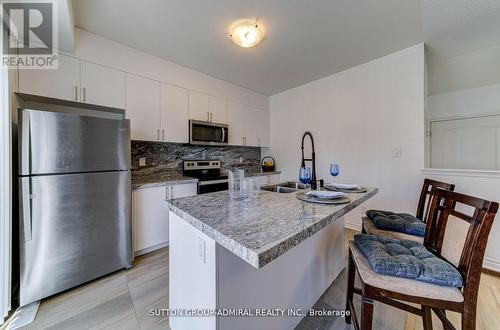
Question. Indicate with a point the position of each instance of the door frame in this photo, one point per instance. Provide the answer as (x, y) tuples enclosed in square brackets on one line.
[(5, 194)]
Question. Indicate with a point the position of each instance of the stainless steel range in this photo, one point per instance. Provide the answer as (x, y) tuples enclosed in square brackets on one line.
[(208, 173)]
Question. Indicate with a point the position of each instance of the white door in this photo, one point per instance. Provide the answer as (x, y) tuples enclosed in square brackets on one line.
[(174, 114), (235, 120), (143, 108), (472, 143), (150, 218), (218, 110), (102, 85), (198, 106), (62, 83)]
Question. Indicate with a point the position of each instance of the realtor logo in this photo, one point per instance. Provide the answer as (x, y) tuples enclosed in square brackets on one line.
[(29, 34)]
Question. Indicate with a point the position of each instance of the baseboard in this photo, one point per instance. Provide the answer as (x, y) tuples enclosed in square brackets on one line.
[(150, 249), (491, 266), (352, 225)]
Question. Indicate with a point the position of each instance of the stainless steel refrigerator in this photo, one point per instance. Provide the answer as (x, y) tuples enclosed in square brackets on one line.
[(75, 199)]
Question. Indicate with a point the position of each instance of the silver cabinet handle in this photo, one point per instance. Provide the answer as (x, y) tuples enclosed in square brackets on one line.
[(242, 141), (166, 193), (208, 116), (84, 94), (211, 117), (171, 192), (163, 134), (75, 93), (158, 134), (27, 196), (259, 142)]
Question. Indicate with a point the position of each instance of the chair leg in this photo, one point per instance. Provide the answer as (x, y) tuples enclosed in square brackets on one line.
[(366, 313), (469, 318), (427, 318), (351, 272)]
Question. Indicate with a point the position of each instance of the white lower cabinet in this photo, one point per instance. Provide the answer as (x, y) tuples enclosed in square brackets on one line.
[(150, 215), (266, 180)]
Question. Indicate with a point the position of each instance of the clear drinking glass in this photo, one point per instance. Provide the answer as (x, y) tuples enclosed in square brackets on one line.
[(255, 183), (246, 188), (235, 178)]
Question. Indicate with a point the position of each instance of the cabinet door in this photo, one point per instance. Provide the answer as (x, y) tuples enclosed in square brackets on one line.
[(269, 179), (198, 106), (143, 108), (256, 127), (102, 85), (62, 83), (218, 110), (174, 114), (236, 120), (182, 190), (150, 219)]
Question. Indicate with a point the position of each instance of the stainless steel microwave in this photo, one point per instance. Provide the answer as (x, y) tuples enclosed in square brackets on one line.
[(206, 133)]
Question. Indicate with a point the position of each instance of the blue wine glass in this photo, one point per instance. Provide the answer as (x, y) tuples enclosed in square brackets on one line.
[(305, 175), (334, 170)]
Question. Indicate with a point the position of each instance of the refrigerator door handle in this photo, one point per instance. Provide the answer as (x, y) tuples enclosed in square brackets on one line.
[(26, 196)]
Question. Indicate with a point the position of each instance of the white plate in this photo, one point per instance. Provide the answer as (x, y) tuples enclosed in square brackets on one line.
[(346, 186), (323, 194)]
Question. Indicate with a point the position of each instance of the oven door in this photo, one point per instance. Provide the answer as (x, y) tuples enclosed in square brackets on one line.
[(205, 133), (205, 187)]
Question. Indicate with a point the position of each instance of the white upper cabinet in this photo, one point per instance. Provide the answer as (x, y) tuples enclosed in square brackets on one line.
[(62, 83), (102, 85), (235, 120), (143, 108), (218, 110), (198, 106), (174, 114), (256, 127), (76, 80)]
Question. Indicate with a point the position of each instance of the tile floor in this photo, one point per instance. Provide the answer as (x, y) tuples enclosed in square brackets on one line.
[(123, 299)]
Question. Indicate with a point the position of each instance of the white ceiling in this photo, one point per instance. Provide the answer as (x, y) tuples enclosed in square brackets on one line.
[(306, 39)]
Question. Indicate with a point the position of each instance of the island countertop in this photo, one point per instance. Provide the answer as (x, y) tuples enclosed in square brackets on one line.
[(260, 230)]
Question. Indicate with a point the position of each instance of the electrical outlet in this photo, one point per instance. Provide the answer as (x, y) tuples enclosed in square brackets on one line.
[(396, 152), (241, 160), (201, 250), (142, 161)]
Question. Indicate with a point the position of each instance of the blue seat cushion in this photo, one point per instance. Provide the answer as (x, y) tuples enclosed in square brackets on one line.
[(405, 258), (400, 222)]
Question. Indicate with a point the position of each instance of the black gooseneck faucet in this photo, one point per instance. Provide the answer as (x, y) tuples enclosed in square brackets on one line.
[(314, 184)]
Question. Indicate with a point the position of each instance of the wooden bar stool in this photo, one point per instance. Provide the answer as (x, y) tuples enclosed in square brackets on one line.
[(460, 240), (369, 227)]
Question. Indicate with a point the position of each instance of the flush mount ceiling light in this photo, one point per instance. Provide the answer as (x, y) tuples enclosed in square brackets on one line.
[(246, 33)]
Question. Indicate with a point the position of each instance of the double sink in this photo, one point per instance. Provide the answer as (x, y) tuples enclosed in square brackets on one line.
[(286, 187)]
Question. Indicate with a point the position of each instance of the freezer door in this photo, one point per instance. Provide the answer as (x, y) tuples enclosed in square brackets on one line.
[(55, 142), (74, 228)]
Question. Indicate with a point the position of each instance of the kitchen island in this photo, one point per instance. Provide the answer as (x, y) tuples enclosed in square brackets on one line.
[(274, 252)]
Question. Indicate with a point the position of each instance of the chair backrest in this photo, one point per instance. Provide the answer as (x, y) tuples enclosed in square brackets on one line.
[(423, 201), (460, 238)]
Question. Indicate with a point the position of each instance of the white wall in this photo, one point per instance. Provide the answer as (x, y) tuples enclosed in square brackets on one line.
[(96, 49), (484, 100), (358, 117)]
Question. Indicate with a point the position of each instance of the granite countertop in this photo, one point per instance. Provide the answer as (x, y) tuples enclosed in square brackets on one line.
[(261, 230), (147, 179), (160, 178)]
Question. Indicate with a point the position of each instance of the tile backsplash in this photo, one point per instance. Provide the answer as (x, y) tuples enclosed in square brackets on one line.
[(169, 156)]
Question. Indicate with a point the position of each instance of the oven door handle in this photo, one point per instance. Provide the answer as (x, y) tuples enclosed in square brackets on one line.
[(223, 134), (207, 183)]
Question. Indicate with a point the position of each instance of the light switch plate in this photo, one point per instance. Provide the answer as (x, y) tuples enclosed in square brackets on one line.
[(396, 152), (142, 161), (201, 250)]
